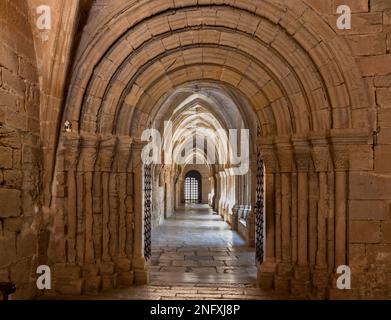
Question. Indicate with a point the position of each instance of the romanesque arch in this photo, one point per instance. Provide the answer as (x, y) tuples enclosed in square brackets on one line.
[(280, 61)]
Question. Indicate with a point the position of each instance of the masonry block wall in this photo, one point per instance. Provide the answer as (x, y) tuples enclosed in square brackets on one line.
[(23, 242), (369, 206)]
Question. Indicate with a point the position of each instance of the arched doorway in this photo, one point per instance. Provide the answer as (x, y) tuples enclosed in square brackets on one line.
[(285, 80), (192, 191)]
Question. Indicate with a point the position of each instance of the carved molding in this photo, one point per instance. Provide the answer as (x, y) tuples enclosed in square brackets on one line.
[(88, 152), (106, 153), (269, 157), (122, 156), (285, 154), (302, 151), (71, 151)]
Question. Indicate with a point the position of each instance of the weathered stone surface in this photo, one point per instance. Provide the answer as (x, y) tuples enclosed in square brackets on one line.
[(354, 5), (384, 136), (367, 210), (357, 255), (376, 65), (71, 287), (4, 275), (92, 284), (122, 265), (20, 271), (10, 203), (364, 231), (107, 268), (90, 271), (109, 282), (64, 272), (365, 45), (380, 5), (383, 96), (26, 245), (379, 254), (125, 279), (382, 154), (386, 232), (370, 186), (5, 158), (324, 7), (382, 81), (7, 248), (362, 23)]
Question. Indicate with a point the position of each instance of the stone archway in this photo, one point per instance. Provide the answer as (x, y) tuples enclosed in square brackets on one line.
[(311, 107), (193, 187)]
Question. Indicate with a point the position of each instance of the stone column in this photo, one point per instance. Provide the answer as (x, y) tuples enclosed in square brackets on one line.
[(285, 268), (57, 246), (89, 145), (251, 179), (129, 210), (105, 162), (122, 262), (266, 271), (218, 192), (71, 145), (341, 166), (86, 168), (140, 266), (301, 282), (178, 193), (68, 276), (322, 164)]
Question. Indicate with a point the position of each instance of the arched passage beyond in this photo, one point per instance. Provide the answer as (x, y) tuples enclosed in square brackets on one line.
[(193, 187), (303, 102)]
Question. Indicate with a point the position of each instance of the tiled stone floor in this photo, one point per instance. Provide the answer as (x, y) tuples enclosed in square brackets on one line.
[(196, 246), (195, 257), (188, 291)]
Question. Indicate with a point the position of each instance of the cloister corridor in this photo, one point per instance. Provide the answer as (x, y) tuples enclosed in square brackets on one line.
[(196, 255), (159, 148), (197, 246)]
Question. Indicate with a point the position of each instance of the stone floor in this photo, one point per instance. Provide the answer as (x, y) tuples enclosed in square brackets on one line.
[(187, 291), (197, 246), (196, 256)]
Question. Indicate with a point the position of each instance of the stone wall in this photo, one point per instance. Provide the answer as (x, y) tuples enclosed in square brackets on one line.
[(369, 182), (23, 242)]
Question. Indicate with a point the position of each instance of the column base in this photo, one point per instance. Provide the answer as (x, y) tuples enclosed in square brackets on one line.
[(282, 280), (141, 277), (320, 280), (266, 273), (301, 282)]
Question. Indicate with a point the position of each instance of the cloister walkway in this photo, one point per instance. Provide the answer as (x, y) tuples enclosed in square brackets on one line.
[(197, 246), (195, 256)]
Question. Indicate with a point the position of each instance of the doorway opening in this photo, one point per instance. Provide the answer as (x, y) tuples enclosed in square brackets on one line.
[(192, 188)]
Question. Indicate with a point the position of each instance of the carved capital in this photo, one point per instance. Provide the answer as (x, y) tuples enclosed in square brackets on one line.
[(123, 154), (136, 152), (285, 155), (341, 157), (321, 157), (88, 152), (302, 155), (106, 153), (269, 157), (71, 151)]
